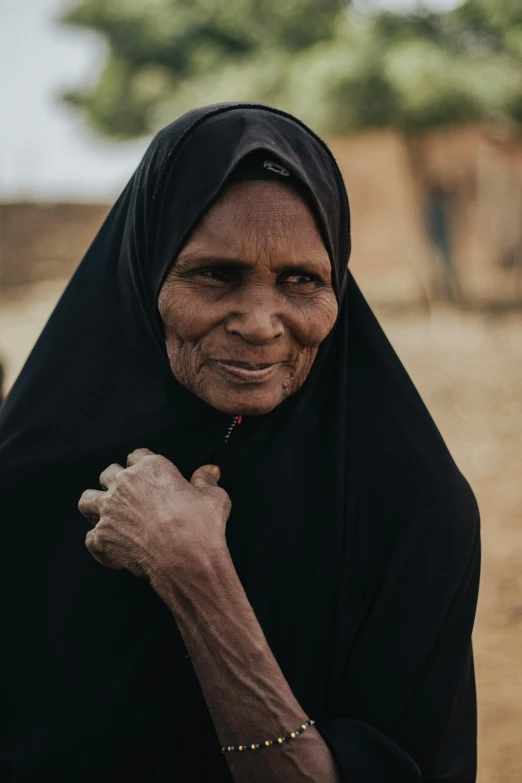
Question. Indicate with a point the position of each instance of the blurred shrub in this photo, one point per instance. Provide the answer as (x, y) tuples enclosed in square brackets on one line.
[(337, 68)]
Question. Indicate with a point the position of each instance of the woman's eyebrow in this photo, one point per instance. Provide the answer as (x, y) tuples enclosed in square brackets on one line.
[(211, 258), (239, 263)]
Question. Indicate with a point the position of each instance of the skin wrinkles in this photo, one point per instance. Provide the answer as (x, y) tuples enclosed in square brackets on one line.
[(252, 284)]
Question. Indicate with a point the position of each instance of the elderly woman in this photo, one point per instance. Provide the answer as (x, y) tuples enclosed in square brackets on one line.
[(281, 569)]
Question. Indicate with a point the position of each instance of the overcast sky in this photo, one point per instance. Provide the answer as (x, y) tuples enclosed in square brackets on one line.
[(45, 152)]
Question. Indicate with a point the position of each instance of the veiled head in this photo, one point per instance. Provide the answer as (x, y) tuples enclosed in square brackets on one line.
[(249, 299)]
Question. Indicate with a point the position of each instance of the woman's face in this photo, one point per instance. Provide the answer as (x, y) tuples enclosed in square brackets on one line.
[(249, 300)]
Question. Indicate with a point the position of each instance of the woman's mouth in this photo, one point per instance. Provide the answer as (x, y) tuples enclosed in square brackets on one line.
[(252, 373)]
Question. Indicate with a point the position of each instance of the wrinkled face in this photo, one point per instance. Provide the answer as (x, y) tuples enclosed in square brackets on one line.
[(249, 299)]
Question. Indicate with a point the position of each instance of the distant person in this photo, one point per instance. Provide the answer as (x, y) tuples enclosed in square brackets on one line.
[(281, 566), (439, 229)]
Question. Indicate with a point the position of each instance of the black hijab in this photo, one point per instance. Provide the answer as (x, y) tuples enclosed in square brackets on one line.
[(345, 494)]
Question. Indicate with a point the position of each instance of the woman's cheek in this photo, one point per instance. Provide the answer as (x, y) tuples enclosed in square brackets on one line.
[(317, 319), (182, 360), (187, 319)]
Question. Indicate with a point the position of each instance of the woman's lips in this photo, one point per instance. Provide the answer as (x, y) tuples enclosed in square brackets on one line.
[(253, 373)]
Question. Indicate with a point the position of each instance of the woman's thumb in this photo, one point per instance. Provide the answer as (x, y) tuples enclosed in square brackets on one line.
[(206, 476)]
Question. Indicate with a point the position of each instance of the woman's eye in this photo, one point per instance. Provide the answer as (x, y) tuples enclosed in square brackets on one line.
[(300, 279), (221, 275), (217, 275)]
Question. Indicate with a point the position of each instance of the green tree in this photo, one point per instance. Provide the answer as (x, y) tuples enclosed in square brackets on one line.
[(161, 51), (338, 69)]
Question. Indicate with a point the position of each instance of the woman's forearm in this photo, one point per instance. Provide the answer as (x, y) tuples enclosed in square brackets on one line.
[(247, 695)]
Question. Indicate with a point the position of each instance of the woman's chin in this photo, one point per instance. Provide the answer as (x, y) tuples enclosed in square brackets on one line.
[(246, 400)]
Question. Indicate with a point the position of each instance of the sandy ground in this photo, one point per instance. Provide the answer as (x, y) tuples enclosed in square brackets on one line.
[(469, 370)]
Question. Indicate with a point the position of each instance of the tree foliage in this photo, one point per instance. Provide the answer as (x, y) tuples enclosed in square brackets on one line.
[(337, 68)]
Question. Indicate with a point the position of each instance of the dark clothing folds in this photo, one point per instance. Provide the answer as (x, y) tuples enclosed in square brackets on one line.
[(354, 534)]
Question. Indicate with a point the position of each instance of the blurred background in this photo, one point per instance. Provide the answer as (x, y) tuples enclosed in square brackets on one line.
[(421, 103)]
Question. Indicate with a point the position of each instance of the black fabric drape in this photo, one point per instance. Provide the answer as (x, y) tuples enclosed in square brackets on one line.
[(345, 494)]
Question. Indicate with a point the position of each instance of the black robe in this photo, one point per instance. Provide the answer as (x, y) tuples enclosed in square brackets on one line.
[(354, 534)]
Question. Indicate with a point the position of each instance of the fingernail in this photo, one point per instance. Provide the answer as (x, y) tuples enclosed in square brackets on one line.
[(214, 470)]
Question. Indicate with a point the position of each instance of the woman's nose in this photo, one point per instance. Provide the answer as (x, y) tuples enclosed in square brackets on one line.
[(258, 324)]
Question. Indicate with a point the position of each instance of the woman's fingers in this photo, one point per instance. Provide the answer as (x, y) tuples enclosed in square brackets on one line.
[(109, 475), (90, 504), (205, 476), (129, 517), (135, 456), (93, 545)]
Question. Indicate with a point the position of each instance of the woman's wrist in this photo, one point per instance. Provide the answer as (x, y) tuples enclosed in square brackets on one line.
[(190, 575)]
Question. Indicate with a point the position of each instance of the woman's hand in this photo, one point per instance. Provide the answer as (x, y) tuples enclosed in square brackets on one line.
[(153, 522)]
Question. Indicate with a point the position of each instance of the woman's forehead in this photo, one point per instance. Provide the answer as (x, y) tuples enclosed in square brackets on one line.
[(194, 178), (249, 216), (255, 206)]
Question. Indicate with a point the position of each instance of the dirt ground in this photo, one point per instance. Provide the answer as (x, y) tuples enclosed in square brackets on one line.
[(468, 368), (469, 371)]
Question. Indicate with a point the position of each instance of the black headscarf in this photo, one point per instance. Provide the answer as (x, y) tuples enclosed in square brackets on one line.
[(352, 531)]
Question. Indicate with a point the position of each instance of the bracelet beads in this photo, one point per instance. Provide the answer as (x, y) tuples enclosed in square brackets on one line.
[(268, 743)]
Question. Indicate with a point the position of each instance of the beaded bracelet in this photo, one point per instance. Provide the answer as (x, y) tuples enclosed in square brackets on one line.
[(268, 743)]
